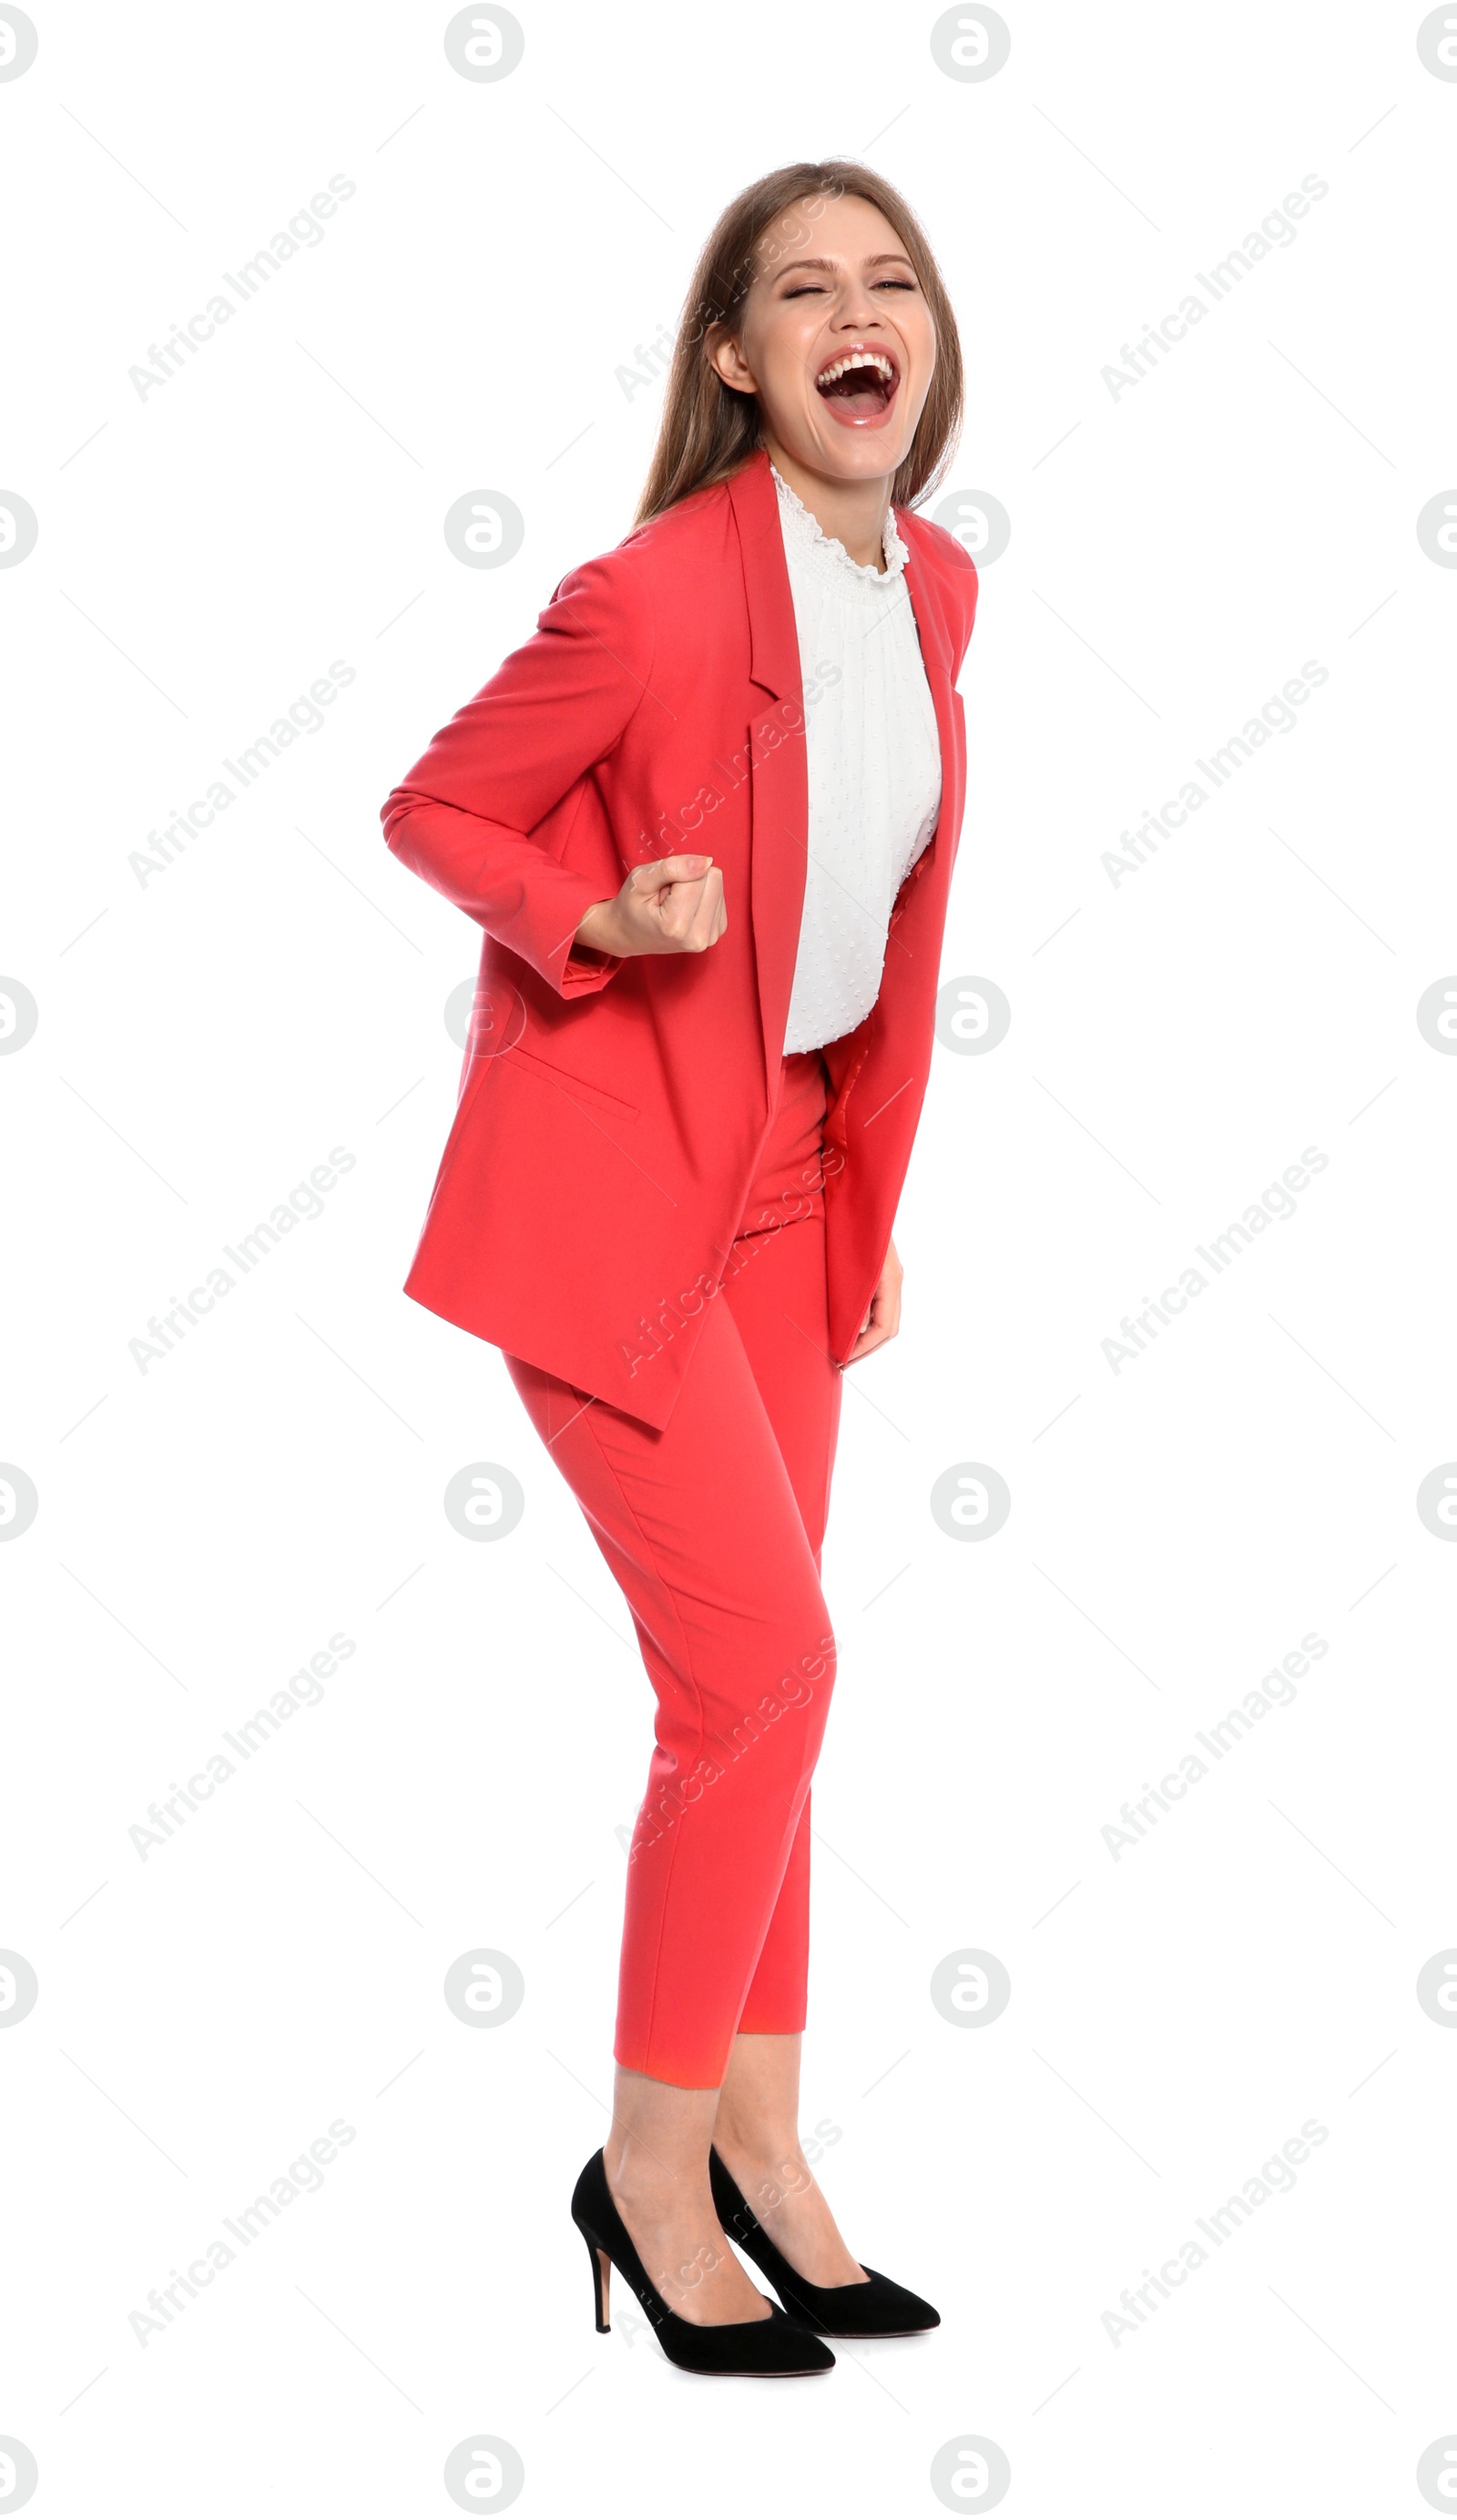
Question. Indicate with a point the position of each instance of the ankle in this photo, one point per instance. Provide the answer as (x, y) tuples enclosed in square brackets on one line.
[(768, 2167), (640, 2181), (756, 2138)]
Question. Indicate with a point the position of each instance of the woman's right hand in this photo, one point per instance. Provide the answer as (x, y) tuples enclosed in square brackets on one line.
[(673, 906)]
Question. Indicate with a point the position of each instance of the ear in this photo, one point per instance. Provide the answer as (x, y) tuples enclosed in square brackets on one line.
[(727, 360)]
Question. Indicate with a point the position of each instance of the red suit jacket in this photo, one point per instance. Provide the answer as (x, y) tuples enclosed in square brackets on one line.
[(611, 1108)]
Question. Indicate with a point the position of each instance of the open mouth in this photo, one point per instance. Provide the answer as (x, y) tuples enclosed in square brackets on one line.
[(858, 383)]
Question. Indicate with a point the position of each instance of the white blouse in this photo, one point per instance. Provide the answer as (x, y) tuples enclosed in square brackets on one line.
[(874, 764)]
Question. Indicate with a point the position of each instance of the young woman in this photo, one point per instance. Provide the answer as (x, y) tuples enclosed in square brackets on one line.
[(707, 817)]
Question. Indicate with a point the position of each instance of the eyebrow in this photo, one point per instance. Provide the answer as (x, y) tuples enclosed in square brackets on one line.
[(822, 262)]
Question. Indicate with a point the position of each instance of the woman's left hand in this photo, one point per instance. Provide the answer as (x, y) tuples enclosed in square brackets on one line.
[(883, 1319)]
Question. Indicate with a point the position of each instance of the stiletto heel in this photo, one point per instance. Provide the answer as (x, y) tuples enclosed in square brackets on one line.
[(601, 2276), (875, 2308), (777, 2347)]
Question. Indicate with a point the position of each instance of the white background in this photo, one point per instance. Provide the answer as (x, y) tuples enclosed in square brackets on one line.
[(206, 1037)]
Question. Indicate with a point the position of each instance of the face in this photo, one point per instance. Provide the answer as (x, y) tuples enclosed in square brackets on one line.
[(836, 340)]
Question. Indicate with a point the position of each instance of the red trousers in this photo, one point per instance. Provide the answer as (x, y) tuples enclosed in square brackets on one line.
[(713, 1527)]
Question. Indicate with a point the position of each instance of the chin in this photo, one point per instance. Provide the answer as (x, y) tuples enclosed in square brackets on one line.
[(861, 459)]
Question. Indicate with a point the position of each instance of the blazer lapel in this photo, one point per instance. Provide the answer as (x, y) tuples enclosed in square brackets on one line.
[(773, 640), (936, 656), (778, 783)]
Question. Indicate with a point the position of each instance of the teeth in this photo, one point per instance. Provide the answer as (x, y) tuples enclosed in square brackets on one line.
[(855, 359)]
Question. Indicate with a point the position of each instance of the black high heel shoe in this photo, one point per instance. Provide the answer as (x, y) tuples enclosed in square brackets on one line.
[(877, 2308), (776, 2347)]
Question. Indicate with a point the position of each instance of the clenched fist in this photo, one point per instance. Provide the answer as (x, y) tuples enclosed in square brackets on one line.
[(673, 906)]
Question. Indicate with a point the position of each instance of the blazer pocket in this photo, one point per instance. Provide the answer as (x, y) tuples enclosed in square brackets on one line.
[(574, 1089)]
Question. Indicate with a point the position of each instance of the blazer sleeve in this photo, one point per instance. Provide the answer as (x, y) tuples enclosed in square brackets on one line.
[(966, 586), (970, 589), (464, 817)]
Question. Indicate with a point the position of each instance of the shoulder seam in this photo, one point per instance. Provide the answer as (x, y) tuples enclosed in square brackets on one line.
[(643, 680), (942, 536)]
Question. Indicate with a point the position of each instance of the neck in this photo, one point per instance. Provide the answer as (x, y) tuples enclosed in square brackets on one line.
[(854, 513)]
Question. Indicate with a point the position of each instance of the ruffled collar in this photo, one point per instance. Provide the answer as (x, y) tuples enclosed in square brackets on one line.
[(829, 553)]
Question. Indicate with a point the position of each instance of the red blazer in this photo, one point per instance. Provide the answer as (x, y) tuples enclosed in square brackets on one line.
[(611, 1108)]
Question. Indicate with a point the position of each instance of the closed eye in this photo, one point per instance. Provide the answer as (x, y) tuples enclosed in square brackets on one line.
[(816, 288)]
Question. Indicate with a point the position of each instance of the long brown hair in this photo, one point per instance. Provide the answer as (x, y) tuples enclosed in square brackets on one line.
[(708, 430)]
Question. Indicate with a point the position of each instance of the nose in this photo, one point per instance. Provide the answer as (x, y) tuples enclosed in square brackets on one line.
[(857, 311)]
